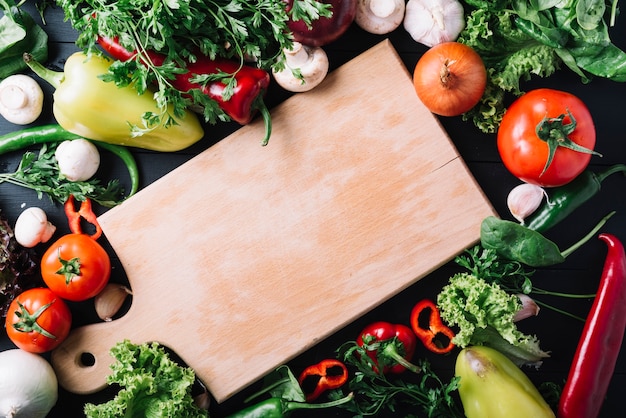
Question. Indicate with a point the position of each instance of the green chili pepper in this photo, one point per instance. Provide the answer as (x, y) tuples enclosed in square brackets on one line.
[(278, 407), (516, 242), (563, 200), (14, 141)]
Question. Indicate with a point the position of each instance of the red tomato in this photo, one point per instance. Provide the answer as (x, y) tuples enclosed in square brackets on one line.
[(38, 320), (76, 267), (526, 155)]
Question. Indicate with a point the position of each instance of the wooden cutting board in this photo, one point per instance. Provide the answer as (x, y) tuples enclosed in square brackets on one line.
[(246, 256)]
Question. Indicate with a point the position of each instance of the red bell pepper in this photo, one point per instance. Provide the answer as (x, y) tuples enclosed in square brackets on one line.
[(247, 97), (429, 327), (75, 217), (601, 339), (389, 346), (326, 375)]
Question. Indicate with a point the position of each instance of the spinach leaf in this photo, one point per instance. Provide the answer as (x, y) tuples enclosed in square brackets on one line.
[(19, 33), (516, 242)]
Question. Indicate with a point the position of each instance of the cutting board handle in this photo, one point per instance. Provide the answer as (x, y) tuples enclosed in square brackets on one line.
[(82, 362)]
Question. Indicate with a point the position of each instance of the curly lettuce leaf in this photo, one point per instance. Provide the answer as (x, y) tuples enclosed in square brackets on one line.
[(152, 385), (510, 56), (484, 314)]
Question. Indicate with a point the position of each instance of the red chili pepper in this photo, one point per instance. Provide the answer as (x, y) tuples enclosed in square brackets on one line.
[(326, 375), (247, 97), (75, 217), (390, 346), (601, 339), (430, 329)]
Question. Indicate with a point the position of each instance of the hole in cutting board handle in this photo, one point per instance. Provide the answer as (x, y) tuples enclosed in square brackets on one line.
[(86, 359)]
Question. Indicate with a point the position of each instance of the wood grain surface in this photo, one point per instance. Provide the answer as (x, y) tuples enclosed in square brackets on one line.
[(302, 236)]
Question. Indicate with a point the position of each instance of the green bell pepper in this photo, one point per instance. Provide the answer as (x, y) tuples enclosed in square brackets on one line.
[(88, 106), (491, 385)]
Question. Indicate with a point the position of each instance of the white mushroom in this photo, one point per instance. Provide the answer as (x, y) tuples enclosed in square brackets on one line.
[(431, 22), (21, 99), (379, 16), (32, 227), (78, 159), (310, 62)]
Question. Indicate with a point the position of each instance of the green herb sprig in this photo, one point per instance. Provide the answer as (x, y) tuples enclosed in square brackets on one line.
[(40, 172), (376, 393), (242, 30)]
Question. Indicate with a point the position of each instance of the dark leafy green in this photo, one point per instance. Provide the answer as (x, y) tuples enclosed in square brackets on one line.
[(19, 34), (521, 39), (18, 267), (516, 242)]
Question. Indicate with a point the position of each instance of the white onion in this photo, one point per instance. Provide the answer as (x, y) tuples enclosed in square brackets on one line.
[(28, 385)]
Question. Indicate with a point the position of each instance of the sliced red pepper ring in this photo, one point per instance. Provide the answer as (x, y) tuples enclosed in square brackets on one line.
[(85, 212), (326, 375), (430, 329)]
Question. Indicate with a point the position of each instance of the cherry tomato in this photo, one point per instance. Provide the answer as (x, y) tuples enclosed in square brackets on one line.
[(527, 154), (76, 267), (38, 320)]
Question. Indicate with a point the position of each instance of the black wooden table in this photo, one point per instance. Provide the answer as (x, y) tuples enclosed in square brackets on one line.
[(579, 274)]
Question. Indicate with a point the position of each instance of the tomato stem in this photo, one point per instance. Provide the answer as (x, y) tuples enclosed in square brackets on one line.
[(28, 321), (556, 133)]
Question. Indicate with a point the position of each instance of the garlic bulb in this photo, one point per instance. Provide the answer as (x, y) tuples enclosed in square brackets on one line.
[(524, 199), (431, 22)]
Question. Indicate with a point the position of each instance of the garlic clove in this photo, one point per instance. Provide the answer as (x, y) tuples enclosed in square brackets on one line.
[(529, 308), (524, 199), (110, 300)]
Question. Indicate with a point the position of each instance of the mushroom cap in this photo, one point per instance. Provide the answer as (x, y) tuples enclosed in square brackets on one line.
[(21, 99)]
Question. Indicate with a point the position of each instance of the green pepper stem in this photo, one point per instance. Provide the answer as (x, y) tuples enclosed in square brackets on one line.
[(390, 351), (289, 406), (587, 237), (267, 118), (55, 78), (611, 170)]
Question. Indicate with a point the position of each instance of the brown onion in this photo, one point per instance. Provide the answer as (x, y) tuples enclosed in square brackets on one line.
[(450, 78)]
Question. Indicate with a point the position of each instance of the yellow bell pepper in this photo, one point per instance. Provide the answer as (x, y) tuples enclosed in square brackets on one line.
[(87, 106), (492, 386)]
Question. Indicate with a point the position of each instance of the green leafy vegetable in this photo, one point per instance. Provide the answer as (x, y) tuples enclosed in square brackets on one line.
[(18, 267), (254, 30), (41, 173), (520, 39), (152, 385), (516, 242), (484, 314), (376, 393), (19, 34)]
